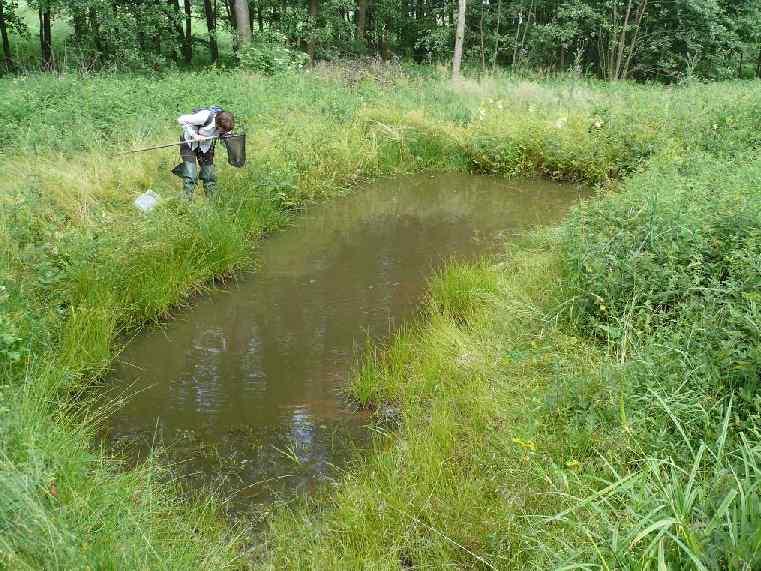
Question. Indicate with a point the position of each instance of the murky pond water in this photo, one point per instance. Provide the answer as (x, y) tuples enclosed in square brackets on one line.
[(245, 388)]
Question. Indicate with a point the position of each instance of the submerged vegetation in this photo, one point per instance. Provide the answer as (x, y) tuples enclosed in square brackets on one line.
[(588, 398)]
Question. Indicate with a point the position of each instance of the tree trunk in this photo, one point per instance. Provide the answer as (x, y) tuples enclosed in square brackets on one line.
[(601, 51), (92, 17), (187, 45), (622, 43), (483, 47), (8, 58), (633, 47), (230, 13), (496, 37), (46, 42), (611, 40), (314, 10), (251, 14), (259, 15), (740, 64), (156, 36), (48, 52), (522, 40), (243, 21), (457, 59), (517, 38), (39, 27), (417, 31), (211, 23), (385, 44), (79, 19), (179, 40), (187, 48), (370, 25), (758, 64), (361, 20)]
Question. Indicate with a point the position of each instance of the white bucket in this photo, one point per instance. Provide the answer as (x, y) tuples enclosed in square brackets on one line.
[(147, 201)]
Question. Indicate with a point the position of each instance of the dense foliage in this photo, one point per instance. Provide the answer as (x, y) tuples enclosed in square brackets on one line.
[(666, 276), (666, 40)]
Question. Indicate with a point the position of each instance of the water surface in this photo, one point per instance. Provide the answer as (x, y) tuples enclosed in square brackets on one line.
[(246, 387)]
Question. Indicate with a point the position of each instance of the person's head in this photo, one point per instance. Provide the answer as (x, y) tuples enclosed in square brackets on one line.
[(225, 121)]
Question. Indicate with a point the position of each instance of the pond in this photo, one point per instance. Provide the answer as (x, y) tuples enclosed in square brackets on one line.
[(245, 389)]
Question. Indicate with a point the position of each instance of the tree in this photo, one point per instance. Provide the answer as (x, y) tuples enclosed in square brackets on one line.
[(242, 21), (459, 39), (176, 19), (314, 9), (664, 40), (8, 21), (361, 21), (496, 36), (623, 38), (525, 16), (210, 11), (187, 47), (46, 35), (92, 17)]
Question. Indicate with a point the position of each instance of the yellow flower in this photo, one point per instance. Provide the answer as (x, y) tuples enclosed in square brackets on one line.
[(527, 445)]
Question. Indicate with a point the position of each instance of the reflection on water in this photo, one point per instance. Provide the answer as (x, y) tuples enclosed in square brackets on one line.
[(246, 385)]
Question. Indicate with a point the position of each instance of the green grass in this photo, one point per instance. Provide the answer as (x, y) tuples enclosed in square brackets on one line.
[(518, 394), (457, 481)]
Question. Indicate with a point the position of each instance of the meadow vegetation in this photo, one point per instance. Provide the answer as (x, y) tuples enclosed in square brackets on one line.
[(588, 398)]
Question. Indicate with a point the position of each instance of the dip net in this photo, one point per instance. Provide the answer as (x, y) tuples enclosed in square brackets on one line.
[(236, 149)]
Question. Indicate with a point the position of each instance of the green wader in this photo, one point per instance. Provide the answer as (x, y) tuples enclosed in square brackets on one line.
[(188, 170)]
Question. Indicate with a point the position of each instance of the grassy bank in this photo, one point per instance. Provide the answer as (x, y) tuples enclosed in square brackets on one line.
[(590, 400), (80, 267)]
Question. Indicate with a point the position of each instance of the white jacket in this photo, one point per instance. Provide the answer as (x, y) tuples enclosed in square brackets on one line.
[(192, 124)]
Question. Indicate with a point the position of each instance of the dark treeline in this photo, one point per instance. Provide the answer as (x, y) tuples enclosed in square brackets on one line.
[(615, 39)]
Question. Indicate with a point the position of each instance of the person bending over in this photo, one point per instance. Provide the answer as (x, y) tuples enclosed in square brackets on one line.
[(200, 130)]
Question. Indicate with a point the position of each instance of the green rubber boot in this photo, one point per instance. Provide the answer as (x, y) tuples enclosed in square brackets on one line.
[(189, 178), (209, 178)]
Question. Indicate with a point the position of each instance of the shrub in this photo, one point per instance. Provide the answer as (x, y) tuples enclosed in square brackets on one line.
[(665, 244), (667, 273), (269, 54)]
